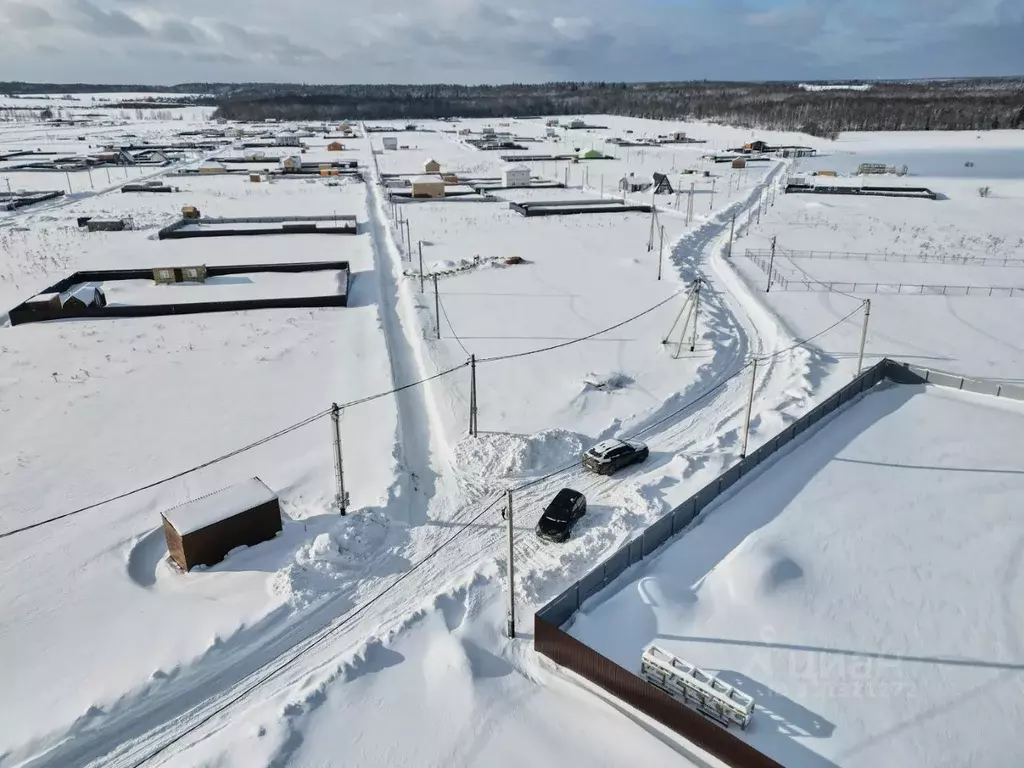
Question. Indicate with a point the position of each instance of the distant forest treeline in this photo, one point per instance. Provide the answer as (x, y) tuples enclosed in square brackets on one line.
[(960, 105), (885, 106)]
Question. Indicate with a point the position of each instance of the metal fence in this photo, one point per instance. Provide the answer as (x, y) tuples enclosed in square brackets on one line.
[(924, 258), (551, 641)]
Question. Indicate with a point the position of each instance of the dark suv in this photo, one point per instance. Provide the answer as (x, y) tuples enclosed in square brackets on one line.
[(609, 456), (561, 515)]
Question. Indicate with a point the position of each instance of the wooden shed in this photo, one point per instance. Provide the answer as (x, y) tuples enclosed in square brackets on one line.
[(210, 167), (428, 186), (203, 531), (739, 162), (335, 146), (431, 166)]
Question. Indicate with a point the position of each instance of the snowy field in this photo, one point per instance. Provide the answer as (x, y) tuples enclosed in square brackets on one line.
[(864, 589), (239, 287), (113, 655)]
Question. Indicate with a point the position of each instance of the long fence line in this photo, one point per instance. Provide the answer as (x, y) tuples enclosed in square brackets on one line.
[(780, 281), (552, 641), (904, 258)]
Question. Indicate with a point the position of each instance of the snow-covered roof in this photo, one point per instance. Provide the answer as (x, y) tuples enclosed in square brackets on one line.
[(430, 161), (427, 180), (212, 164), (220, 505), (519, 167)]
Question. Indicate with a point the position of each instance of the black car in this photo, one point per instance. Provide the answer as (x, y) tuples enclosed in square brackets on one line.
[(609, 456), (561, 515)]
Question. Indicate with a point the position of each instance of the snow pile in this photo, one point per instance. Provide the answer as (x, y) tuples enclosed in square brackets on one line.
[(330, 559), (504, 455)]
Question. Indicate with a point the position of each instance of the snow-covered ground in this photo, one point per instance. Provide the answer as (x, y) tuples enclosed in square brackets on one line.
[(864, 588), (111, 655)]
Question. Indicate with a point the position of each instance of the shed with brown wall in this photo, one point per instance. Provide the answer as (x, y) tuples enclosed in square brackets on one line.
[(203, 531)]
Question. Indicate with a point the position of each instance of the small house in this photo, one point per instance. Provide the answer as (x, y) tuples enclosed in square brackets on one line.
[(428, 186), (190, 212), (431, 166), (515, 176), (286, 139), (203, 531), (551, 132), (577, 123), (82, 296), (254, 178), (391, 142), (255, 155), (210, 167), (756, 146), (335, 146), (739, 162), (551, 122), (678, 136), (291, 163), (661, 184), (633, 183), (344, 128)]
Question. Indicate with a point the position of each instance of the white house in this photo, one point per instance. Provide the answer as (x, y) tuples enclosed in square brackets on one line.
[(515, 176), (390, 142), (577, 123), (291, 163), (430, 165), (286, 139)]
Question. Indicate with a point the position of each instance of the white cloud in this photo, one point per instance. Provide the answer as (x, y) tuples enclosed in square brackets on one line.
[(487, 40)]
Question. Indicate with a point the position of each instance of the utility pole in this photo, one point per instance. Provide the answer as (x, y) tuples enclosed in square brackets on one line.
[(421, 265), (89, 171), (661, 251), (408, 240), (437, 306), (472, 396), (713, 183), (342, 497), (750, 407), (864, 335), (696, 316), (771, 268), (68, 175), (510, 572), (732, 234), (654, 220), (689, 203)]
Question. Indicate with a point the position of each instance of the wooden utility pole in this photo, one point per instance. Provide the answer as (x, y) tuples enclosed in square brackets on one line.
[(437, 306), (696, 316), (421, 265), (863, 336), (771, 268), (510, 572), (750, 407), (341, 499), (732, 234), (472, 396), (661, 250)]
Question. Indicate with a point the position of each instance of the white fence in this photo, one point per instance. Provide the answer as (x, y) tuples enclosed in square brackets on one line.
[(904, 258)]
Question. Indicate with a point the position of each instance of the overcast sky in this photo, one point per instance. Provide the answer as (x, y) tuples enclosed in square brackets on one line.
[(489, 41)]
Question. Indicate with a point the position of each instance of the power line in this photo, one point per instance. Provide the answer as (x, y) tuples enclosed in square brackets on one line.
[(703, 396), (231, 454), (582, 338), (316, 640), (452, 327)]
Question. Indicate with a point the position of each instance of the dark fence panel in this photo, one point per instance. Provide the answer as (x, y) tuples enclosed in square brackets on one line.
[(570, 653)]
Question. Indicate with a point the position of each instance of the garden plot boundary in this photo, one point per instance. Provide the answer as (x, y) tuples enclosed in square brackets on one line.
[(276, 225), (553, 642), (41, 312)]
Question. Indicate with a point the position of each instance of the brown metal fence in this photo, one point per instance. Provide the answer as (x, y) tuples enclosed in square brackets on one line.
[(566, 650)]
